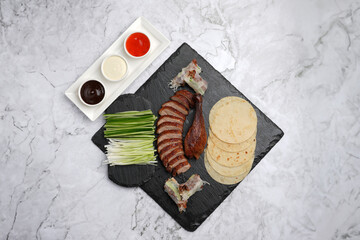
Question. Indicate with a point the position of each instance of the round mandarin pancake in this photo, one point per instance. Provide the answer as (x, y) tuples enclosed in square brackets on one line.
[(232, 147), (233, 120), (221, 178), (232, 140), (230, 159), (230, 171)]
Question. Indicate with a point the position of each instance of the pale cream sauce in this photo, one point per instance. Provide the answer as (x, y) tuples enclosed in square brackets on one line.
[(114, 68)]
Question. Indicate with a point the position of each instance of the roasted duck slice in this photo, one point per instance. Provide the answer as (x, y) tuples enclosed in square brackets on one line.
[(172, 155), (178, 106), (181, 100), (168, 118), (169, 134), (168, 149), (181, 168), (169, 126), (188, 95), (172, 112), (168, 142), (175, 162)]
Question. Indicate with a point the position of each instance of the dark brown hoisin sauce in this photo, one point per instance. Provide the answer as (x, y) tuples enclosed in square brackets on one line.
[(92, 92)]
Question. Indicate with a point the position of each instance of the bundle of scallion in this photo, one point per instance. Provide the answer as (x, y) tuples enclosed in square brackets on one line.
[(131, 136)]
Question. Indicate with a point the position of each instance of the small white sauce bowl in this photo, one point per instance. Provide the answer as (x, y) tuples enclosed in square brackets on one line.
[(112, 79)]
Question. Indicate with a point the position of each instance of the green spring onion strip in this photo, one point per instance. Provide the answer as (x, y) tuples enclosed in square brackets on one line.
[(131, 136)]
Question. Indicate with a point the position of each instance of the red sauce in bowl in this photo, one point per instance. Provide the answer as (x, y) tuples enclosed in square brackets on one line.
[(137, 44)]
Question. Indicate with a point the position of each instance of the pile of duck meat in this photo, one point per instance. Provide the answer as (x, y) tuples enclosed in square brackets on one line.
[(172, 150)]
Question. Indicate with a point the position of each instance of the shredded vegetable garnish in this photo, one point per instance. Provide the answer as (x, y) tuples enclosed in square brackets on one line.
[(131, 136)]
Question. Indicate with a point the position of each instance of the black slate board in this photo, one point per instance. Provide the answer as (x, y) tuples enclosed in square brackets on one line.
[(156, 89), (132, 175)]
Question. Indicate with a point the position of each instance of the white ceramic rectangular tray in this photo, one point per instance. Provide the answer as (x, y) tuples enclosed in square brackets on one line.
[(135, 66)]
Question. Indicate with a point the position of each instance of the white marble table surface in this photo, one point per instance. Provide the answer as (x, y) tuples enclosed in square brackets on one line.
[(297, 60)]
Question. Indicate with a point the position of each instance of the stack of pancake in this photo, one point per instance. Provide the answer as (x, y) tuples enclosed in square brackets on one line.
[(232, 140)]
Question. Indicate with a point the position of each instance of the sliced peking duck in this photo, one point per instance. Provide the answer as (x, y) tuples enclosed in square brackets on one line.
[(170, 127)]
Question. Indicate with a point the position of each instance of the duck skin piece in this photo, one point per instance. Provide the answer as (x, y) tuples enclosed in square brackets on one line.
[(181, 100), (181, 168), (168, 142), (188, 95), (168, 126), (178, 106), (175, 162), (169, 134), (195, 139), (168, 118), (178, 151), (171, 112), (168, 149)]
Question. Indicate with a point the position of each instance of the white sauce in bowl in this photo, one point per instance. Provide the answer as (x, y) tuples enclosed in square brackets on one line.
[(114, 68)]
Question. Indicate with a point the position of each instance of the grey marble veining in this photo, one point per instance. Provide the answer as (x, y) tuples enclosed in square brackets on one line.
[(298, 61)]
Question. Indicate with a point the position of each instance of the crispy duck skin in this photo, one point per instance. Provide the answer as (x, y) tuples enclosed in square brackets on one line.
[(168, 118), (172, 112), (176, 105), (173, 154), (169, 134), (175, 162), (169, 126), (181, 100), (168, 149), (195, 139), (181, 168), (188, 95), (168, 142)]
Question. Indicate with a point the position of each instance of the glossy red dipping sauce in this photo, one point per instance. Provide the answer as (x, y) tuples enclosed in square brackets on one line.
[(137, 44), (92, 92)]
